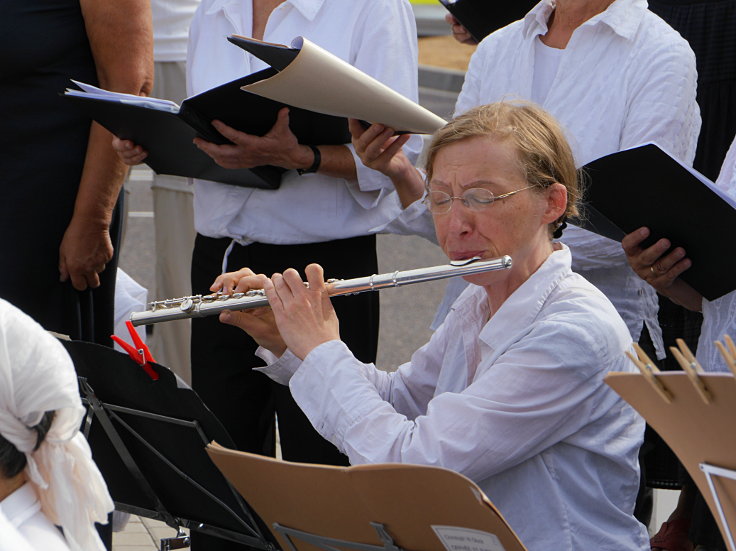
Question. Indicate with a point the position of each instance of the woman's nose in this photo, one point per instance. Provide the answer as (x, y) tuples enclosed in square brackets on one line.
[(460, 217)]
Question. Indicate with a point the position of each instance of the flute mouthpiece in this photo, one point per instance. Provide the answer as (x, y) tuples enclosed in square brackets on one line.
[(464, 262)]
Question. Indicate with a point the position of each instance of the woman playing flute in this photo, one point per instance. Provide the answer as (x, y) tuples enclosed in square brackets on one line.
[(509, 390)]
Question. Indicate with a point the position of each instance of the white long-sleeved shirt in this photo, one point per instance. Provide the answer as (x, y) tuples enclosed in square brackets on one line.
[(376, 36), (517, 404), (22, 511), (625, 78), (719, 316)]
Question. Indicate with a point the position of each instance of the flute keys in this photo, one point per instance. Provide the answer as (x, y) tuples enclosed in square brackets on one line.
[(187, 305)]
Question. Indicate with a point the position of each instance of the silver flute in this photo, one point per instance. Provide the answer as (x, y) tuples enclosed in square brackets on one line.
[(208, 305)]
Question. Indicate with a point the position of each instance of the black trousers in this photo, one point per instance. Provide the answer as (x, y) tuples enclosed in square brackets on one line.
[(222, 356)]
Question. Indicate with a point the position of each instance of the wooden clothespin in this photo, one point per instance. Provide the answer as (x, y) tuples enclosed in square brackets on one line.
[(692, 368), (648, 369), (728, 352)]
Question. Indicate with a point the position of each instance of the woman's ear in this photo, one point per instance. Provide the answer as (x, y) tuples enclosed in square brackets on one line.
[(556, 202)]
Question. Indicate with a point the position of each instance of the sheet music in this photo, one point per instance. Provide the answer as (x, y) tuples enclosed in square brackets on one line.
[(87, 90), (465, 539)]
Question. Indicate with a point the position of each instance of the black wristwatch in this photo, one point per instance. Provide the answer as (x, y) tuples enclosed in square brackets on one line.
[(315, 163)]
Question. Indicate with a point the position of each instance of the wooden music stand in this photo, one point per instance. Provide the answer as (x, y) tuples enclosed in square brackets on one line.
[(383, 507), (694, 413)]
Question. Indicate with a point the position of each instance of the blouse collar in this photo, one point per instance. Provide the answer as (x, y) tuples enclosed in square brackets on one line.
[(623, 17)]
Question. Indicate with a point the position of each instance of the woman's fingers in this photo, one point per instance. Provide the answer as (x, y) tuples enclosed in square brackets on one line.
[(227, 283)]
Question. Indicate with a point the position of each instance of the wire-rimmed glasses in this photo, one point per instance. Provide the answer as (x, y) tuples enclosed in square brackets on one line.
[(476, 199)]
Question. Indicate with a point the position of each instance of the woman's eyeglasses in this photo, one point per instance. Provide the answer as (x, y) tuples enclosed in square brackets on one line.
[(476, 199)]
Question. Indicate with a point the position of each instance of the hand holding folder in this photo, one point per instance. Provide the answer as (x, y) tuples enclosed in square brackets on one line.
[(646, 187), (320, 90)]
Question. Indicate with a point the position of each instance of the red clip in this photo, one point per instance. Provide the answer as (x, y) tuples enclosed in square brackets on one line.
[(139, 353)]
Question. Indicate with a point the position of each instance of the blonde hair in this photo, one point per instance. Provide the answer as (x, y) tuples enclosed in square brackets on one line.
[(544, 155)]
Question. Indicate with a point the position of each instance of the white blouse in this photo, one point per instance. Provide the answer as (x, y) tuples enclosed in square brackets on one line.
[(10, 538), (517, 404), (22, 512)]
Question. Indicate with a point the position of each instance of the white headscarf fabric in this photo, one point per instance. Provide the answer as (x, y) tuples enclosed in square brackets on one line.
[(37, 375)]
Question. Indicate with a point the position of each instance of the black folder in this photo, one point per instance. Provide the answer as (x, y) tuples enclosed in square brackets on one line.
[(645, 186), (482, 17), (167, 136), (278, 56)]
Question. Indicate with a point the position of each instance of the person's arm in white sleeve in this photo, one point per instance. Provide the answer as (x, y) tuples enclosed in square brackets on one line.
[(530, 399), (409, 389)]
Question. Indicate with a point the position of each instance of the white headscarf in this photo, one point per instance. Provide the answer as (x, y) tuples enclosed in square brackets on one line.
[(37, 375)]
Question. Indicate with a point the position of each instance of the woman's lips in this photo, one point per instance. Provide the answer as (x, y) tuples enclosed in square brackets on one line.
[(465, 255)]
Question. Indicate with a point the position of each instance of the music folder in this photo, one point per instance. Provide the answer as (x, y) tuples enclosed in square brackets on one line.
[(166, 130), (320, 90), (645, 186), (380, 507), (482, 17)]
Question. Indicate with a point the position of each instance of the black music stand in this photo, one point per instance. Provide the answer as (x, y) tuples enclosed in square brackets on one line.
[(148, 439)]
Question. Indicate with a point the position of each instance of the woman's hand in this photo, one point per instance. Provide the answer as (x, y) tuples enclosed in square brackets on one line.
[(278, 147), (459, 32), (84, 252), (654, 264), (379, 149), (259, 323), (128, 152), (304, 315), (660, 268)]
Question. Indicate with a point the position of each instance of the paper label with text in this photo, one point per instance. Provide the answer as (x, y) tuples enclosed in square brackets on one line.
[(465, 539)]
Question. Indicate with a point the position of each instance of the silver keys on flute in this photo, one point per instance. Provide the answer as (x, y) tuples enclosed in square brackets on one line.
[(209, 305)]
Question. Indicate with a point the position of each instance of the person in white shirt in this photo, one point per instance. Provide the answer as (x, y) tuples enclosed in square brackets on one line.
[(327, 212), (47, 476), (615, 75), (509, 391), (661, 266)]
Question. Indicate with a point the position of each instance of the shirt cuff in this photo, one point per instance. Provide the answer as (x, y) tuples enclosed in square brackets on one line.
[(278, 369)]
